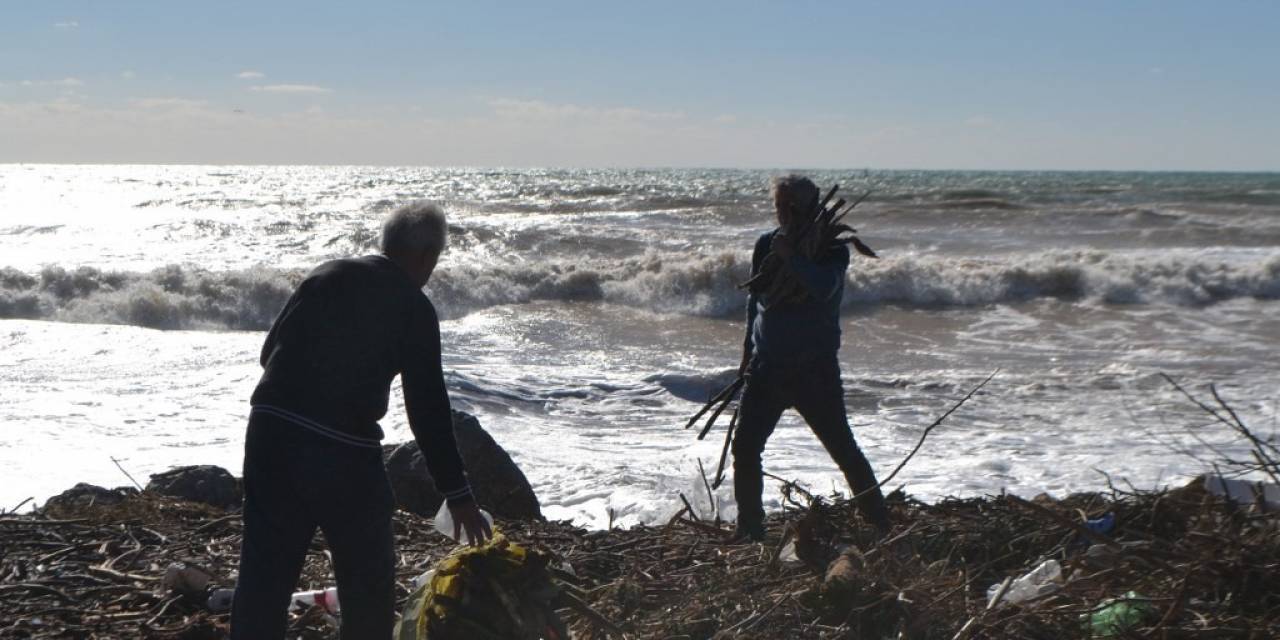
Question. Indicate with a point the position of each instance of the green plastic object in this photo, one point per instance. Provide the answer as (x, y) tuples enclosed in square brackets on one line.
[(1118, 615)]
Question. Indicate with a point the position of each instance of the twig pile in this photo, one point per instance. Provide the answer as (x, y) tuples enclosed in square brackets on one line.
[(1205, 566), (1191, 564)]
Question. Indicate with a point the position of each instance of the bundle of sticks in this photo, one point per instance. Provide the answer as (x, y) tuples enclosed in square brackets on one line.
[(813, 235)]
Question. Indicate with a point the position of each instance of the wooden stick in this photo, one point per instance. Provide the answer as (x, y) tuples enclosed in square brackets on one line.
[(585, 610), (733, 386), (724, 404), (924, 435), (711, 496), (126, 473), (724, 451)]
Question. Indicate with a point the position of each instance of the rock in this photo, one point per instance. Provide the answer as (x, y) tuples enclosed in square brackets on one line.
[(843, 572), (200, 483), (85, 495), (498, 483)]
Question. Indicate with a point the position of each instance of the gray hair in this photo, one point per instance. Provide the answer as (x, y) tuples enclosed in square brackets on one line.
[(414, 228), (800, 192)]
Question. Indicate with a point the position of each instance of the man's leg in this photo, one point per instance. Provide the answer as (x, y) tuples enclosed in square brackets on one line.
[(821, 403), (277, 532), (356, 521), (758, 414)]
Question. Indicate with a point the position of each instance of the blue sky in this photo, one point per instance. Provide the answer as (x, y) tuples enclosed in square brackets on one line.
[(1005, 85)]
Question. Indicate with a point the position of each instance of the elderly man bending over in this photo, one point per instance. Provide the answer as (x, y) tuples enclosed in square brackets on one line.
[(312, 450)]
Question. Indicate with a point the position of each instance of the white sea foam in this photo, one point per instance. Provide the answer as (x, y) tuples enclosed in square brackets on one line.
[(177, 297)]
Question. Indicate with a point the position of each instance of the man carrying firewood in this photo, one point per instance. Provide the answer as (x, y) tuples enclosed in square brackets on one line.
[(789, 356)]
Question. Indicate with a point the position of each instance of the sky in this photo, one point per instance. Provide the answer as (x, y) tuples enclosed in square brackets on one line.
[(1029, 85)]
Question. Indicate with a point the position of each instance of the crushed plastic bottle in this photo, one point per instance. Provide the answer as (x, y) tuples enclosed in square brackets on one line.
[(326, 599), (1118, 615), (1103, 524), (443, 522), (1042, 580)]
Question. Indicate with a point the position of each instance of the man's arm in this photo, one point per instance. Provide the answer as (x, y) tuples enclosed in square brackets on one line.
[(427, 403), (757, 259), (431, 419)]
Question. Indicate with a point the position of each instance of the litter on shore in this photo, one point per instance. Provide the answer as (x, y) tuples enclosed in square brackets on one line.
[(1182, 563)]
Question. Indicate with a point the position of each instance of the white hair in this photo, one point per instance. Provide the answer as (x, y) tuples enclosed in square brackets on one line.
[(415, 228)]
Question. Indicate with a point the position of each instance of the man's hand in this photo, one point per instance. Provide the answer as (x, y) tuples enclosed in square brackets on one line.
[(466, 517), (782, 246)]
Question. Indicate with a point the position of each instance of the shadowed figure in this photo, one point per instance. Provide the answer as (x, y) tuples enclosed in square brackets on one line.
[(789, 360), (313, 456)]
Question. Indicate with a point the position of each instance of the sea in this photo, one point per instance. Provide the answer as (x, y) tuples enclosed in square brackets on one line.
[(588, 313)]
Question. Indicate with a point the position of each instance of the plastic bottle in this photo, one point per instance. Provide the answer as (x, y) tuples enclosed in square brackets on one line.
[(1042, 580), (1118, 615), (418, 581), (325, 598), (443, 522), (219, 600)]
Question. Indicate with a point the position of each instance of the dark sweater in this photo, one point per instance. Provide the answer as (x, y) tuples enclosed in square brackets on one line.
[(344, 335), (804, 331)]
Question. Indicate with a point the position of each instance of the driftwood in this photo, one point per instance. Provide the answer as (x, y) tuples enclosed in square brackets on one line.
[(1201, 566), (1205, 568)]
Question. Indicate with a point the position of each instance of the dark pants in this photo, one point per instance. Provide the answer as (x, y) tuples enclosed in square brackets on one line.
[(295, 481), (813, 388)]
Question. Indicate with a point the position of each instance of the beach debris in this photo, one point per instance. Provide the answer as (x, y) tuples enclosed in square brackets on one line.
[(499, 590), (186, 579), (1040, 581), (1204, 569), (1117, 616), (444, 525), (219, 600), (326, 598)]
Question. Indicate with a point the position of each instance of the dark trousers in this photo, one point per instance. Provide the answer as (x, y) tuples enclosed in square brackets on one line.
[(295, 481), (814, 389)]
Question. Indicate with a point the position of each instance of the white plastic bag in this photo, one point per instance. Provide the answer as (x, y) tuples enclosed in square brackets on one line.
[(443, 522)]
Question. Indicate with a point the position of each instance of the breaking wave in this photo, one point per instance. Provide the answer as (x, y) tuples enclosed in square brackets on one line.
[(171, 297), (176, 297)]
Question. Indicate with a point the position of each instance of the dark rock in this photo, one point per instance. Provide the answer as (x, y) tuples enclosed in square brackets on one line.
[(498, 483), (200, 483), (85, 495)]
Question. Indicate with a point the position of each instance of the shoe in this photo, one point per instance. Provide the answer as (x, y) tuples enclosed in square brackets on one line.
[(747, 534)]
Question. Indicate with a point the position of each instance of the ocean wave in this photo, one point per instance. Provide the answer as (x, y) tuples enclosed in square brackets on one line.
[(1187, 279), (700, 285), (171, 297)]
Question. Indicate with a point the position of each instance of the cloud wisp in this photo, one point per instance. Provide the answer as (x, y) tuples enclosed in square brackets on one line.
[(291, 88), (67, 24), (64, 82), (251, 75)]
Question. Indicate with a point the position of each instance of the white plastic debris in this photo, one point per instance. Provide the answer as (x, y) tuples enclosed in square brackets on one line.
[(1042, 580), (443, 522)]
